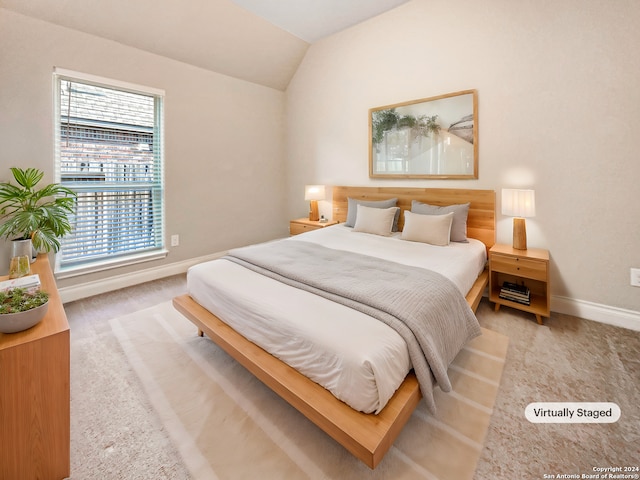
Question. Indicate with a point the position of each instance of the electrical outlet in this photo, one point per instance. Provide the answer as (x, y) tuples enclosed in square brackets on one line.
[(175, 240), (635, 277)]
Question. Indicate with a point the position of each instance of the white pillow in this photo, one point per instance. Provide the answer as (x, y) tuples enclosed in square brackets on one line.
[(432, 229), (460, 214), (378, 221)]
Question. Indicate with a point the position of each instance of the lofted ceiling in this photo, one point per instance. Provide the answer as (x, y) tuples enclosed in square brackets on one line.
[(261, 41), (313, 20)]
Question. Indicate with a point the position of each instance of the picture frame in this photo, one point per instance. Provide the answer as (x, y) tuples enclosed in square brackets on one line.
[(434, 137)]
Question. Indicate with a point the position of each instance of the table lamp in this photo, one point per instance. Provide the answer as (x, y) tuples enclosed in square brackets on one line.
[(519, 204), (313, 193)]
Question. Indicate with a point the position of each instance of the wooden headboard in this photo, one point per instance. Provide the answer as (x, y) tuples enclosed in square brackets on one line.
[(481, 222)]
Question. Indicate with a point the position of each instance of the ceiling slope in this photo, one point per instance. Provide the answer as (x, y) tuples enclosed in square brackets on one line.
[(312, 20), (216, 35)]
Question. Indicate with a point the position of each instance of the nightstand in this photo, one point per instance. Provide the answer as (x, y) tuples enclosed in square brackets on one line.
[(301, 225), (528, 268)]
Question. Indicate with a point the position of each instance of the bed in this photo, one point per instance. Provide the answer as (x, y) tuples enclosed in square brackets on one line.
[(362, 413)]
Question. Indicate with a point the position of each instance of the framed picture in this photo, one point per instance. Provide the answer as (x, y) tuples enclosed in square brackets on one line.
[(433, 137)]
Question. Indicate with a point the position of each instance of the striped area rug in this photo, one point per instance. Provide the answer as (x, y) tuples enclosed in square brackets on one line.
[(228, 425)]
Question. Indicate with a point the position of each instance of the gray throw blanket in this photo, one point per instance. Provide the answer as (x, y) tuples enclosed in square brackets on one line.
[(424, 307)]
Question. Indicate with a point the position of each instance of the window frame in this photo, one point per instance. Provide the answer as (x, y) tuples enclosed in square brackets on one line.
[(160, 251)]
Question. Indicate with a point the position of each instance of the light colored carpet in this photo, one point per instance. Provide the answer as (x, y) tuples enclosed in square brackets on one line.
[(228, 425)]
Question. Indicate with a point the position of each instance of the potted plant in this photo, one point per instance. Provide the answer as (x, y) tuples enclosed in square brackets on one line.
[(37, 217), (21, 308)]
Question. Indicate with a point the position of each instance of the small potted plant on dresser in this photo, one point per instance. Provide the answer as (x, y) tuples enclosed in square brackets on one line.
[(33, 218), (22, 308)]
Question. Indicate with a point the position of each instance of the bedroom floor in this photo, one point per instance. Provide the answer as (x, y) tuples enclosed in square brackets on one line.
[(565, 360)]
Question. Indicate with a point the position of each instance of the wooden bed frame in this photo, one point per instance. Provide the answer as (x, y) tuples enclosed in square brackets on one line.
[(367, 436)]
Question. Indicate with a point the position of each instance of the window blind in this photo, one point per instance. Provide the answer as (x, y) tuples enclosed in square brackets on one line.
[(109, 151)]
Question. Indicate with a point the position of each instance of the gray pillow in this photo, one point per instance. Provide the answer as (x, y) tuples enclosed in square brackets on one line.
[(460, 213), (352, 210)]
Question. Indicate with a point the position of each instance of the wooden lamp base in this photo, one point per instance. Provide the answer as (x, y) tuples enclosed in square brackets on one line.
[(314, 216), (519, 234)]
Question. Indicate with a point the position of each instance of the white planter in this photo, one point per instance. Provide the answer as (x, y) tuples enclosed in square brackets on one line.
[(17, 322), (21, 248)]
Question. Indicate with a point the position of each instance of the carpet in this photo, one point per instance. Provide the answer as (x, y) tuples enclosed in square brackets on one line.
[(227, 425)]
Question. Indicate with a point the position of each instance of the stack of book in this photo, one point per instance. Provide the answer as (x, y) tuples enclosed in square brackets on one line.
[(515, 293), (28, 282)]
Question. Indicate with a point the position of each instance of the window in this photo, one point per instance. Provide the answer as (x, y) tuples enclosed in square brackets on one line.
[(109, 151)]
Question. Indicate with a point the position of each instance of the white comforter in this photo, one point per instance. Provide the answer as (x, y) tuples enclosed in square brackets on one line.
[(359, 359)]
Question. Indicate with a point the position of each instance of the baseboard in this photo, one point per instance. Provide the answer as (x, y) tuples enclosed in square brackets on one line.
[(594, 311), (89, 289)]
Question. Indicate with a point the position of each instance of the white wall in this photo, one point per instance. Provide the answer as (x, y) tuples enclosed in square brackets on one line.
[(558, 103), (224, 137), (558, 98)]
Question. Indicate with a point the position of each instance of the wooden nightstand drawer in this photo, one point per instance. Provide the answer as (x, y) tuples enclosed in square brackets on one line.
[(301, 225), (297, 228), (525, 267)]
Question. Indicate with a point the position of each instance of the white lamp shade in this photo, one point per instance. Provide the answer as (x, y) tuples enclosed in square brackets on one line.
[(518, 203), (314, 192)]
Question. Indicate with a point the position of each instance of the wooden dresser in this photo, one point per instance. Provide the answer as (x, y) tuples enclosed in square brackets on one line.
[(35, 393)]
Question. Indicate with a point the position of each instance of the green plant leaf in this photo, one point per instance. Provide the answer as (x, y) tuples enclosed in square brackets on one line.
[(41, 215), (17, 300), (28, 178)]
